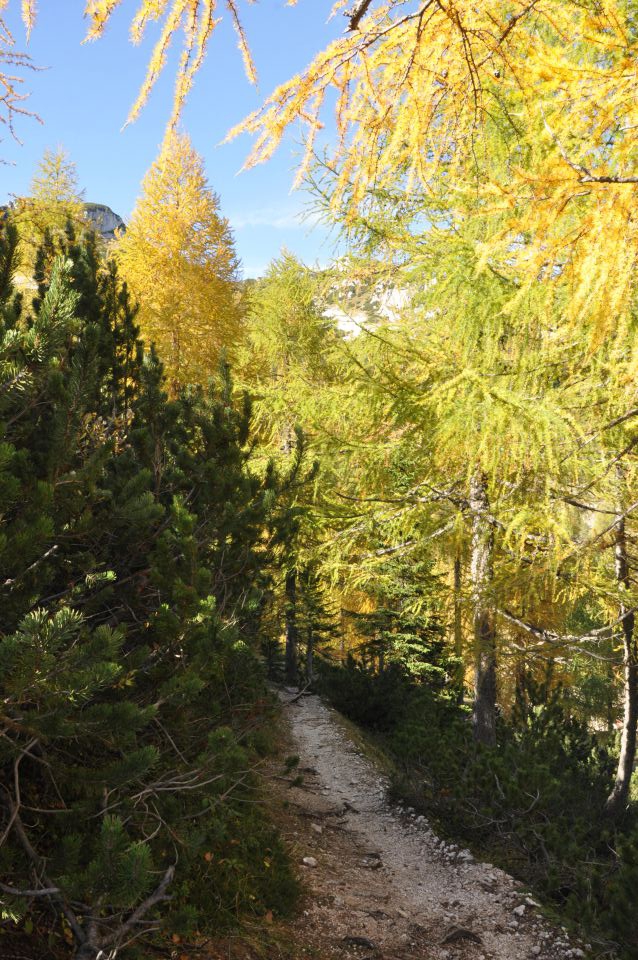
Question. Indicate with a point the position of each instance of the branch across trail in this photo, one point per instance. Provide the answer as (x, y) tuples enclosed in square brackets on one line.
[(380, 883)]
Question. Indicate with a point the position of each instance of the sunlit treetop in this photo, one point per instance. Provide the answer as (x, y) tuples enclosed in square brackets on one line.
[(54, 200), (55, 180), (178, 259), (422, 89)]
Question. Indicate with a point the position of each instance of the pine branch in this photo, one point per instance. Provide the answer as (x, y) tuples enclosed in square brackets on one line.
[(38, 863), (590, 508), (36, 563), (41, 892), (623, 453), (549, 636), (158, 896), (619, 517), (513, 20), (585, 174)]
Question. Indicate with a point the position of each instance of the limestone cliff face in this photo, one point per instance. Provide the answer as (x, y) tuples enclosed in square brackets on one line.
[(104, 221)]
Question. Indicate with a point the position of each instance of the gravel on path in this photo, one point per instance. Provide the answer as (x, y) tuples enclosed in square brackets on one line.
[(381, 884)]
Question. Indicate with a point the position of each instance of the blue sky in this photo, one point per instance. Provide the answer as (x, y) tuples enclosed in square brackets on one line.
[(84, 93)]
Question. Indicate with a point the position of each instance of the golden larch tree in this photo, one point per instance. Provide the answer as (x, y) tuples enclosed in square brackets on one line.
[(54, 200), (13, 63), (421, 88), (179, 260)]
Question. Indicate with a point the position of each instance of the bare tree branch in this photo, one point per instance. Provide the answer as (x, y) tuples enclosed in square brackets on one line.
[(357, 14), (158, 896), (41, 892), (549, 636), (584, 174)]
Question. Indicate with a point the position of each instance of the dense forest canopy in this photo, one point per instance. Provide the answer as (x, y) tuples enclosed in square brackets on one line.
[(408, 480)]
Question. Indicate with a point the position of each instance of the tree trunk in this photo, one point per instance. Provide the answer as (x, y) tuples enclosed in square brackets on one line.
[(86, 952), (484, 712), (381, 660), (291, 628), (458, 630), (310, 652), (619, 796), (89, 949)]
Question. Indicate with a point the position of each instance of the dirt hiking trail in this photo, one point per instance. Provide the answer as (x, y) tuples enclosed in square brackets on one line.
[(380, 884)]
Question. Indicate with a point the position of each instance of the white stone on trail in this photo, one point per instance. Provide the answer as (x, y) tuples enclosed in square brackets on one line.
[(423, 878)]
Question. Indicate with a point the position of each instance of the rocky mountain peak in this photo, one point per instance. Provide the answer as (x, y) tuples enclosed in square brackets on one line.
[(104, 220)]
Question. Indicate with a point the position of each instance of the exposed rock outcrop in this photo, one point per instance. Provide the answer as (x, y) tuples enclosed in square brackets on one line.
[(104, 220)]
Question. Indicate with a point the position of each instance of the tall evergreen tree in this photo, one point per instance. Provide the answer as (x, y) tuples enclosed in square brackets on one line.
[(132, 561), (178, 258), (54, 199)]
